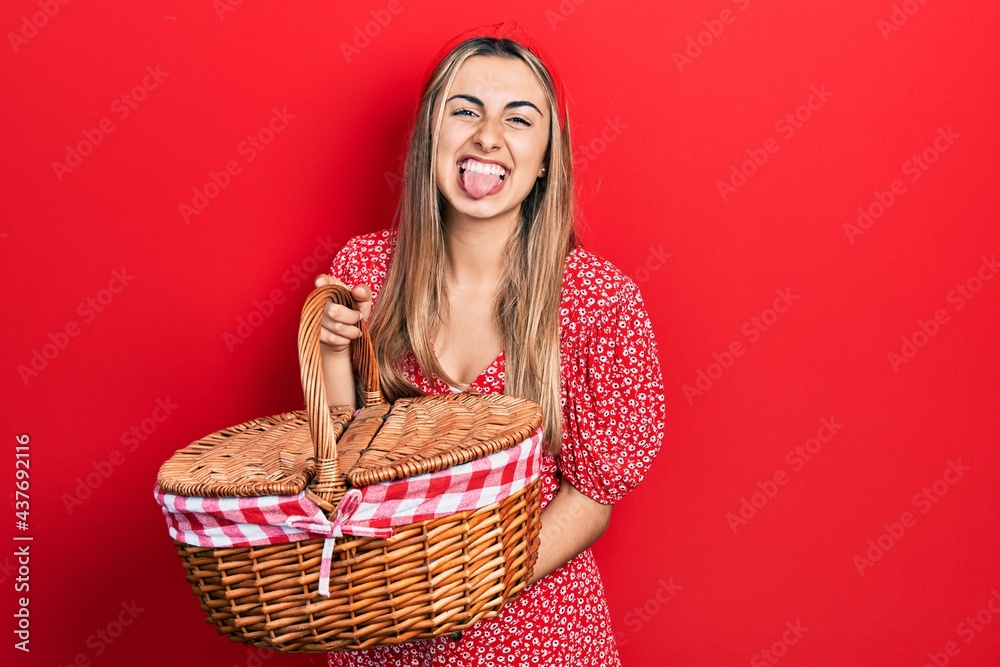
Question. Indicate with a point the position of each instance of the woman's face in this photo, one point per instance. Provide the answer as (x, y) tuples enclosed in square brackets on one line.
[(493, 139)]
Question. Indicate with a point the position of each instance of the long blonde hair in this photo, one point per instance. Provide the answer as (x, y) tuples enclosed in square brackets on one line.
[(527, 304)]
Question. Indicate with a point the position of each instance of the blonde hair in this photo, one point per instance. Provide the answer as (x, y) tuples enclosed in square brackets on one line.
[(528, 299)]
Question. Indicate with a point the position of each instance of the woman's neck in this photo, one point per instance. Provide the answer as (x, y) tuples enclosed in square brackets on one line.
[(475, 250)]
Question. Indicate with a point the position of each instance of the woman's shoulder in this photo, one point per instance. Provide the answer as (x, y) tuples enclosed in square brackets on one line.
[(373, 243), (364, 259), (594, 282)]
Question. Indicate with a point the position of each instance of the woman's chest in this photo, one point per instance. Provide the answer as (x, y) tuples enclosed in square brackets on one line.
[(467, 339)]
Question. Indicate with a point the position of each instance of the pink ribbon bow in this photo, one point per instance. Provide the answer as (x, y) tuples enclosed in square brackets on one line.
[(338, 527)]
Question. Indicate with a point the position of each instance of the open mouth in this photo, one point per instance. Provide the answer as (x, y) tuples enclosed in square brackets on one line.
[(480, 179)]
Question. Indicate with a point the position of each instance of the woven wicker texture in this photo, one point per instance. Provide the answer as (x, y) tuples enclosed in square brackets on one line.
[(430, 578), (266, 456), (432, 433)]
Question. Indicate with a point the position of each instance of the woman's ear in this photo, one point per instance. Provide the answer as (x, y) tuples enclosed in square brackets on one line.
[(545, 161)]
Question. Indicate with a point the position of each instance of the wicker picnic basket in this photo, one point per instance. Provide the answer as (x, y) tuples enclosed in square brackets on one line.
[(430, 578)]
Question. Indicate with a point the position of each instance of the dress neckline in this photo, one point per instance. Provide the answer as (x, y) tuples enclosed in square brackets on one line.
[(444, 387)]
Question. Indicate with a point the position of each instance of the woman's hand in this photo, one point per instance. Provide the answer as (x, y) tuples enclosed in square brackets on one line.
[(339, 327), (340, 324)]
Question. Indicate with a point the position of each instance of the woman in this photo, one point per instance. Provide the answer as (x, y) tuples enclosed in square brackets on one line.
[(482, 272)]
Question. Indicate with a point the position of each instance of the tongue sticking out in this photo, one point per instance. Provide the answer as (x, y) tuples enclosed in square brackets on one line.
[(479, 185)]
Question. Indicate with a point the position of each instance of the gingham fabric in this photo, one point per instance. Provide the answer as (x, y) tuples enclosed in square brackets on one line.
[(369, 511)]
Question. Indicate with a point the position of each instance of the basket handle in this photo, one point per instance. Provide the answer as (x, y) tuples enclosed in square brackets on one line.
[(313, 388)]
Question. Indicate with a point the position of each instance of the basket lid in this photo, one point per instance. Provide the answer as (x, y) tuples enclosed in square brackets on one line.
[(275, 456), (430, 433), (267, 456)]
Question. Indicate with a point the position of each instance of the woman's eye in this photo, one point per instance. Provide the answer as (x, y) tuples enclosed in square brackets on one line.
[(520, 120)]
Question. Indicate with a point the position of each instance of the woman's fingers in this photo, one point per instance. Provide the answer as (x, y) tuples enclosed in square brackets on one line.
[(362, 293), (339, 326), (363, 296), (341, 319), (325, 279)]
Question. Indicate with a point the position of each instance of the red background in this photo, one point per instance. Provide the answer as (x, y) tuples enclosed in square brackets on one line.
[(658, 133)]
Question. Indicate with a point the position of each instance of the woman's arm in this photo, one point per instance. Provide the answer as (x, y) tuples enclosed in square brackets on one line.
[(570, 524), (338, 377), (613, 426)]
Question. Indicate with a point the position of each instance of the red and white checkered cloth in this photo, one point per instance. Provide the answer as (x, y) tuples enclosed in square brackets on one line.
[(370, 511)]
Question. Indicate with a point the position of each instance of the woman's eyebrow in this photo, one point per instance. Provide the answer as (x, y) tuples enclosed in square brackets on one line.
[(510, 105)]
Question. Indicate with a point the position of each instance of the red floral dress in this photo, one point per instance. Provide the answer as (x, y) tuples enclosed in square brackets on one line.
[(613, 413)]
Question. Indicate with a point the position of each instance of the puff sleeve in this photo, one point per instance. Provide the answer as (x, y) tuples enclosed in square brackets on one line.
[(613, 412), (364, 260)]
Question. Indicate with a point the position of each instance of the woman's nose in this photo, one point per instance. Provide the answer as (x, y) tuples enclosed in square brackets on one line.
[(489, 135)]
